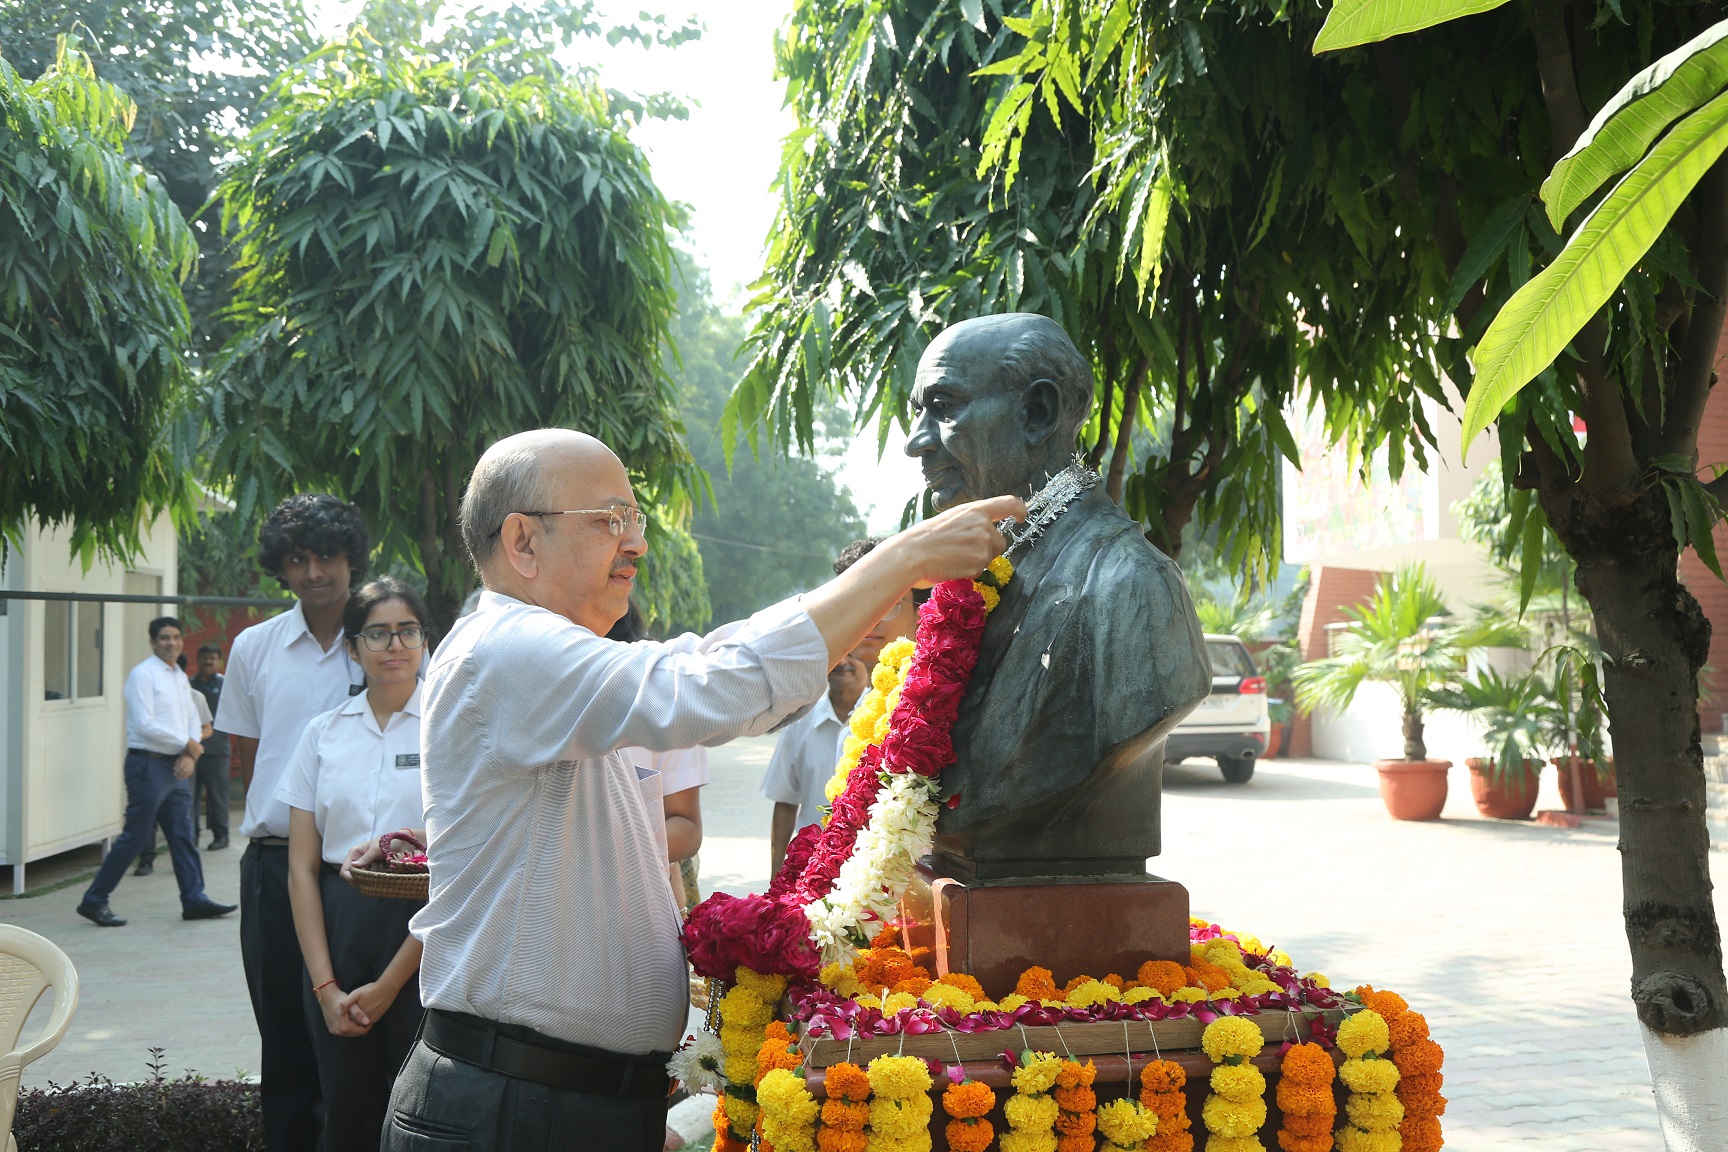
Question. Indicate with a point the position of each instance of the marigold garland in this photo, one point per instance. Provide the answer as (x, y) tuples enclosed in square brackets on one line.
[(1032, 1112), (967, 1103), (1235, 1110), (846, 1111), (1373, 1109), (1418, 1060), (900, 1108), (788, 1111), (1305, 1098), (1078, 1104), (1161, 1084), (1125, 1126)]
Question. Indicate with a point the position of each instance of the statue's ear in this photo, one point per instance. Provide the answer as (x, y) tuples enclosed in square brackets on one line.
[(1041, 411)]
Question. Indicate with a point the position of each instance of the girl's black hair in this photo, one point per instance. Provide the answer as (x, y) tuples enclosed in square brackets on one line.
[(316, 523), (373, 593)]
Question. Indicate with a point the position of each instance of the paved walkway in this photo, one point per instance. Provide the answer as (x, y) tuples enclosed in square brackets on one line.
[(1508, 936)]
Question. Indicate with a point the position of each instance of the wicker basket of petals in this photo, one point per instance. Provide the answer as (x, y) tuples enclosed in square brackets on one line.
[(400, 874)]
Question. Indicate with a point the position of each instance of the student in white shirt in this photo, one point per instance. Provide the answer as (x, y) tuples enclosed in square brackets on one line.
[(162, 745), (809, 748), (355, 777), (281, 673)]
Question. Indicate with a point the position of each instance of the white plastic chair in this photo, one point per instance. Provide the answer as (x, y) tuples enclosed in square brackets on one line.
[(29, 966)]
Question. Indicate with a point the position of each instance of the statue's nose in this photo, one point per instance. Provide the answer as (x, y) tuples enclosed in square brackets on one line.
[(923, 437)]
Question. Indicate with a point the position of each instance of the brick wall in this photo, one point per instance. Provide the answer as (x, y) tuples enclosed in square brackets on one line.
[(1712, 594), (1330, 591)]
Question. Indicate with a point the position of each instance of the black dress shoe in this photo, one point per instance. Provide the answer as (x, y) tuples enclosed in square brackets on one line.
[(146, 865), (101, 915), (219, 842), (208, 910)]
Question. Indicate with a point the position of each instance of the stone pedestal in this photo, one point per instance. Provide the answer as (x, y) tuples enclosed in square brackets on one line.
[(1073, 927)]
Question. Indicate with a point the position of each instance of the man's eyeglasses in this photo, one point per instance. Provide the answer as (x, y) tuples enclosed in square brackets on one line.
[(378, 639), (617, 517)]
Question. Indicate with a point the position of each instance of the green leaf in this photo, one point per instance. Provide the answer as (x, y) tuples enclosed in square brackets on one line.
[(1530, 555), (1485, 247), (1353, 22), (1543, 316), (973, 11), (1624, 128), (1702, 512)]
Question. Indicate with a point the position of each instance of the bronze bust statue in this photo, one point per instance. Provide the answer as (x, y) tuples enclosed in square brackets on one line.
[(1094, 653)]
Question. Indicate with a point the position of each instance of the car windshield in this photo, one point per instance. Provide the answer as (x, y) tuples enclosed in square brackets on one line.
[(1229, 658)]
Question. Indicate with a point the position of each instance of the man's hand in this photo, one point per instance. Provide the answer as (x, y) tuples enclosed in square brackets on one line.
[(194, 749), (960, 542), (184, 765)]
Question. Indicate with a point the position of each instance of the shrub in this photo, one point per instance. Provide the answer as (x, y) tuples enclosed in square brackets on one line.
[(190, 1114)]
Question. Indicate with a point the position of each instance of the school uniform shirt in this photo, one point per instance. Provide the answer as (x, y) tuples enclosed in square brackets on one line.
[(279, 678), (358, 780), (549, 904), (160, 716), (804, 760), (203, 709)]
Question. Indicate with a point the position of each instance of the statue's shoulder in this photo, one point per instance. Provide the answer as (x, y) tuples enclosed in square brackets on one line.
[(1119, 550)]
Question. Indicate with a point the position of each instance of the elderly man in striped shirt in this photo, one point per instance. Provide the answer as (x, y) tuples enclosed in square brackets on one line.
[(553, 975)]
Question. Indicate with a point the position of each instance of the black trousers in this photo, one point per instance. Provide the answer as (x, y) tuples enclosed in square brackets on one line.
[(210, 783), (357, 1072), (276, 977), (444, 1105)]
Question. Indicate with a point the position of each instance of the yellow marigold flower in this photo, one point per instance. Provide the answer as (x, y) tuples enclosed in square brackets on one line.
[(1224, 994), (1031, 1113), (1369, 1075), (842, 979), (1223, 953), (897, 652), (1002, 568), (788, 1111), (867, 1000), (986, 1006), (1011, 1001), (1234, 1144), (898, 1077), (1037, 1073), (1365, 1031), (769, 988), (1139, 995), (990, 595), (1040, 1141), (1092, 993), (897, 1119), (1319, 979), (898, 1002), (1281, 958), (1356, 1140), (916, 1142), (1258, 985), (1232, 1036), (881, 732), (1188, 995), (1126, 1122), (947, 996), (1198, 922), (1234, 1118), (1375, 1111), (1238, 1082)]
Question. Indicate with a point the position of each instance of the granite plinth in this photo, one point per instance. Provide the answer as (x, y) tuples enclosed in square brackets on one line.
[(1073, 927)]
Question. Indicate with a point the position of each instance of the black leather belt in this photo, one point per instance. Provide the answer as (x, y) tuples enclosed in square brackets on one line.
[(509, 1049), (145, 752)]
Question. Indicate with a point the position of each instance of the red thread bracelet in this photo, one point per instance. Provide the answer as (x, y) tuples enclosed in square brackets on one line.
[(319, 988)]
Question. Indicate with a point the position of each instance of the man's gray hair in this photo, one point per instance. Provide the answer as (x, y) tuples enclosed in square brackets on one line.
[(510, 481), (1044, 351)]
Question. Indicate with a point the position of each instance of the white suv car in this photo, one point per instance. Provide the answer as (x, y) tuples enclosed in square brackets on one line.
[(1232, 724)]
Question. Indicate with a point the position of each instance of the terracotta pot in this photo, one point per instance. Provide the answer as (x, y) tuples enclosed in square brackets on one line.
[(1504, 797), (1272, 739), (1595, 789), (1413, 789)]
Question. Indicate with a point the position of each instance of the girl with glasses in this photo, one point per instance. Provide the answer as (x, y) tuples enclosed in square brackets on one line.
[(355, 777)]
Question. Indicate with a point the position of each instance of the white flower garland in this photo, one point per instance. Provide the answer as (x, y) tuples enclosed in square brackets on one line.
[(900, 830)]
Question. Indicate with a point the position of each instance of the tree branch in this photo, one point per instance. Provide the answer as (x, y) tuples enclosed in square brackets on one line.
[(1697, 370), (1566, 118), (1610, 468), (1097, 453), (1125, 431)]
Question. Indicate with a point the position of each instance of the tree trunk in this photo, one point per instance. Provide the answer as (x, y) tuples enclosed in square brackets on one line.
[(1654, 640), (1414, 748)]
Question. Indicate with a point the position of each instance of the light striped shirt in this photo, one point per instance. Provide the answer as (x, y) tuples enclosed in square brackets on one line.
[(549, 904)]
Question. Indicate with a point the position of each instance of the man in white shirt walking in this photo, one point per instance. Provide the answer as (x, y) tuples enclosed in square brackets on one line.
[(162, 746), (282, 673), (553, 974)]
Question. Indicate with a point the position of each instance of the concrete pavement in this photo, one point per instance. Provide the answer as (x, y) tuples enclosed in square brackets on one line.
[(1507, 936)]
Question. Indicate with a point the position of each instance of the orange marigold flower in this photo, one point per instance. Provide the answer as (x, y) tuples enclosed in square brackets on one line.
[(965, 983), (1165, 1104), (969, 1135), (886, 936), (968, 1099), (1161, 1076), (913, 984), (1290, 1142), (1074, 983), (1420, 1133), (1115, 981), (1076, 1123), (1164, 975), (868, 969), (1036, 984), (1075, 1098), (1296, 1098), (1307, 1064), (1388, 1004), (1309, 1124), (1207, 976), (1422, 1056), (840, 1140), (776, 1053), (1420, 1084), (845, 1114), (1176, 1141), (1079, 1142), (848, 1082), (1074, 1073)]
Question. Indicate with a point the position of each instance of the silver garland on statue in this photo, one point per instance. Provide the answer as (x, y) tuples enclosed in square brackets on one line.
[(1050, 501)]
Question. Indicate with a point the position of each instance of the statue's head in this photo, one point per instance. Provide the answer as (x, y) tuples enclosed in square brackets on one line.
[(996, 406)]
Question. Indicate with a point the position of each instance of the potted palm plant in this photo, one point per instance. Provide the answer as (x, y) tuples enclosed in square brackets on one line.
[(1403, 637), (1277, 664), (1515, 730)]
